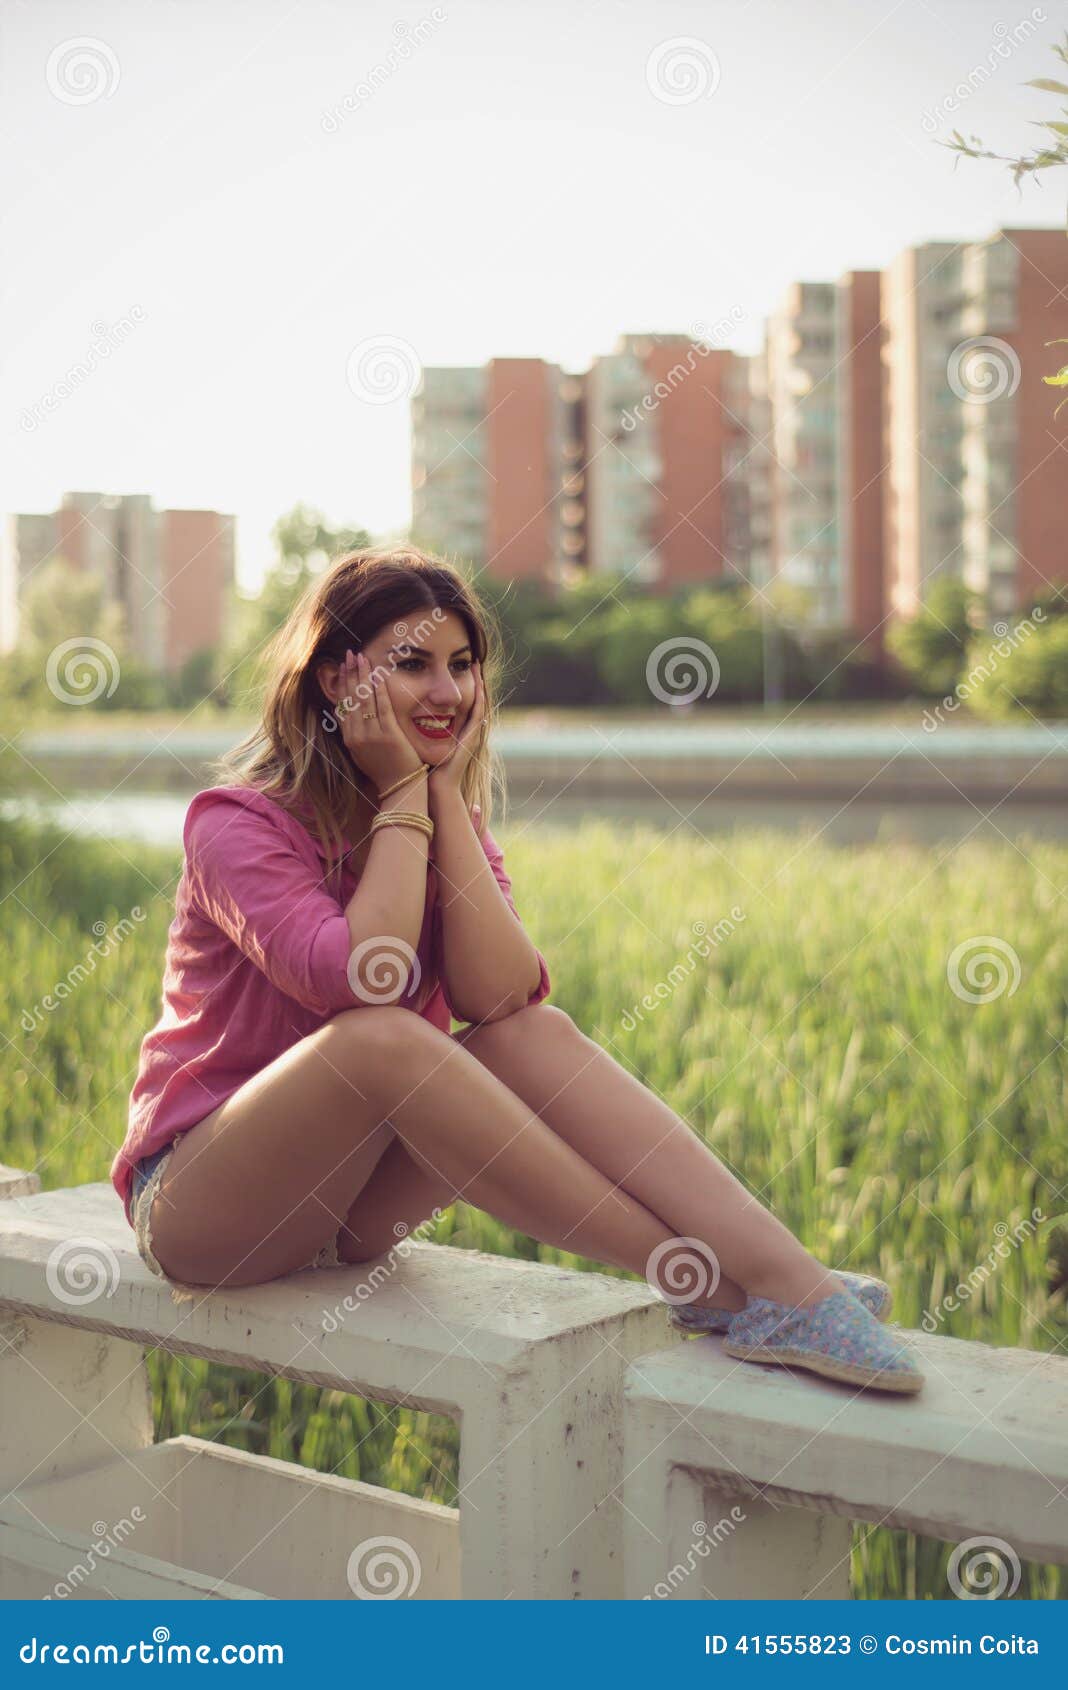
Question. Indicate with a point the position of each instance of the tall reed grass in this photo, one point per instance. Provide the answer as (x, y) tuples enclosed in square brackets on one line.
[(789, 999)]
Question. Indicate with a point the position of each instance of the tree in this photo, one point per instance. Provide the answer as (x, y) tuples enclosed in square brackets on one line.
[(73, 649), (305, 544), (1052, 153), (931, 646)]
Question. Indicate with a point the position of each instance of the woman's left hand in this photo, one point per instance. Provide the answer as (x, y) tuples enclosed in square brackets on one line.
[(448, 776)]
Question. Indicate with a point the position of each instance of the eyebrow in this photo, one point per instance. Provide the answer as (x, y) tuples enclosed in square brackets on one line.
[(416, 651)]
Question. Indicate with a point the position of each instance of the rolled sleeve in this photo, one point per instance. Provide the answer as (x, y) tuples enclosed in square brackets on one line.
[(495, 857), (250, 881)]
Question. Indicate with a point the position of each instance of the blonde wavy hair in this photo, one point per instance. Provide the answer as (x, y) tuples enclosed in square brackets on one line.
[(295, 755)]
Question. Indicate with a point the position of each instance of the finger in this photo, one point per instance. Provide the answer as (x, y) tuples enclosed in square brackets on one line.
[(366, 693), (346, 702), (383, 701)]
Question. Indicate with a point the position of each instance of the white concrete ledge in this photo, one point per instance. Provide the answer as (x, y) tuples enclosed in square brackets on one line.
[(527, 1358), (982, 1449)]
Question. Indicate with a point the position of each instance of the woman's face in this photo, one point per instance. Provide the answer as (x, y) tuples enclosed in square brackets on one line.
[(424, 662)]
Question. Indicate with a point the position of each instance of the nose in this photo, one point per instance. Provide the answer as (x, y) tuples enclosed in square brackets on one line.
[(445, 693)]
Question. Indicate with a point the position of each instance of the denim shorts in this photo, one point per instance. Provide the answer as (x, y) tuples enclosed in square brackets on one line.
[(147, 1175)]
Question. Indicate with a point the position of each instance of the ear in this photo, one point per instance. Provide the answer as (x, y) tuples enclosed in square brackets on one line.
[(328, 676)]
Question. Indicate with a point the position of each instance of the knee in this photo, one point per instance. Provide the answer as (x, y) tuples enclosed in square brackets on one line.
[(534, 1020), (380, 1034)]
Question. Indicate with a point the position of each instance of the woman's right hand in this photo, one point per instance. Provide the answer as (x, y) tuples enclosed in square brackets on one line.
[(370, 731)]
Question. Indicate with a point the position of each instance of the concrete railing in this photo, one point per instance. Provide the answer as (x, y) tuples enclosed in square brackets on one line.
[(528, 1359), (594, 1462), (742, 1480)]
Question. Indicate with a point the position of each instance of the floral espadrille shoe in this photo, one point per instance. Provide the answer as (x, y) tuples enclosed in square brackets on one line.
[(875, 1294), (837, 1337)]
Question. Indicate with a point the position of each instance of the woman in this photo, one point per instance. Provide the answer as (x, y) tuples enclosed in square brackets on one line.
[(291, 1110)]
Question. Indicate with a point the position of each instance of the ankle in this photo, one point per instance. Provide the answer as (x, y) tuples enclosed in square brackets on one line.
[(730, 1298), (800, 1286)]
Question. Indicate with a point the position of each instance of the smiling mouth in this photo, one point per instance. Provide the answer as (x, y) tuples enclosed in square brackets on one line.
[(434, 727)]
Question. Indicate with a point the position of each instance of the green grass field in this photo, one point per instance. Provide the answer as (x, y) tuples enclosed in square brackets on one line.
[(818, 1047)]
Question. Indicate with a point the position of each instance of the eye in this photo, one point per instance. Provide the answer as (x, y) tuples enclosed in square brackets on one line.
[(463, 663)]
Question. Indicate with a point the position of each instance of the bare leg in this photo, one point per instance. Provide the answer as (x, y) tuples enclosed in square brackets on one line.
[(631, 1135), (256, 1187)]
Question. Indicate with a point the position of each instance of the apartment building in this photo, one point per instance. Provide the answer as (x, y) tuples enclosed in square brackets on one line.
[(496, 467), (631, 467), (976, 460), (894, 426), (820, 467), (667, 436), (170, 571)]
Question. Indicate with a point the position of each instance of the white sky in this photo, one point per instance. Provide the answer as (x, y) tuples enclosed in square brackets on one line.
[(513, 188)]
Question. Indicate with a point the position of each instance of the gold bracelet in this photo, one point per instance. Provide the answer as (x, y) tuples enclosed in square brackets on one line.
[(403, 818), (413, 774), (384, 815)]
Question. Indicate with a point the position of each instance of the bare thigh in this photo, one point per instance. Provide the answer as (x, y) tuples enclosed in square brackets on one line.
[(398, 1197), (258, 1186)]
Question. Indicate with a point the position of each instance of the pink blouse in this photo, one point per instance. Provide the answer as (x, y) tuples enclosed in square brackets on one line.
[(257, 958)]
